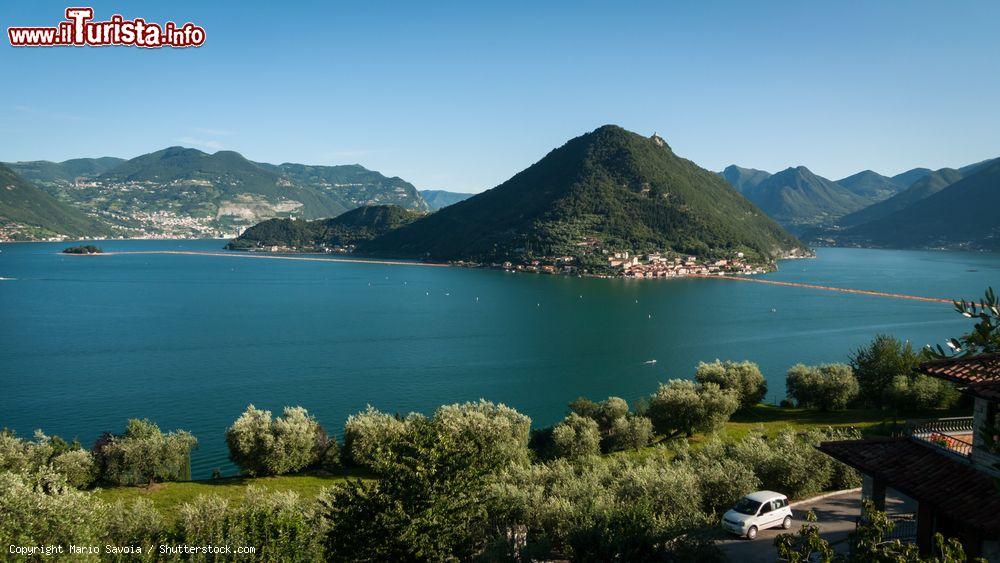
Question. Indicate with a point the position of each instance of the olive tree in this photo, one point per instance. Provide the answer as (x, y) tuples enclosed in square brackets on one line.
[(826, 387), (367, 435), (40, 508), (430, 500), (262, 445), (684, 407), (144, 453), (743, 377), (576, 437), (630, 432)]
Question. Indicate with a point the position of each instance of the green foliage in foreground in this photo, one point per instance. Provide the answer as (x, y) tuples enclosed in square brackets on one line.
[(867, 544)]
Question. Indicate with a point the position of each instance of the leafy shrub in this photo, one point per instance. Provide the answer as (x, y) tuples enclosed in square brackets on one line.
[(77, 466), (260, 445), (683, 407), (790, 463), (722, 479), (826, 387), (41, 509), (877, 364), (29, 456), (143, 454), (743, 377), (576, 437), (921, 392), (368, 434), (629, 432), (137, 523), (430, 501)]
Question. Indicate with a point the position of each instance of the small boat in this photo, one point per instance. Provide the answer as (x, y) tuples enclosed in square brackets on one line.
[(649, 362)]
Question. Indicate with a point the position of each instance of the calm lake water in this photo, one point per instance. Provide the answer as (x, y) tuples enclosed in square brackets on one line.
[(190, 341)]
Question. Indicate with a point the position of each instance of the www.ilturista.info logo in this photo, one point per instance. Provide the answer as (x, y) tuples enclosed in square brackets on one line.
[(79, 30)]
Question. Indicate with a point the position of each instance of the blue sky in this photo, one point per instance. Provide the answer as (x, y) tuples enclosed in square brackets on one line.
[(462, 95)]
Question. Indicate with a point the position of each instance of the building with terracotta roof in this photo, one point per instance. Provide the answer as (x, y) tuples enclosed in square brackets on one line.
[(949, 467)]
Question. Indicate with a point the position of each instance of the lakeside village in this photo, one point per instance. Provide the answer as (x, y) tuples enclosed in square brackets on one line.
[(616, 264), (649, 266)]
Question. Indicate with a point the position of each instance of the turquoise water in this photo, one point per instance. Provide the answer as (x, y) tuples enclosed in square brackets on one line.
[(189, 341)]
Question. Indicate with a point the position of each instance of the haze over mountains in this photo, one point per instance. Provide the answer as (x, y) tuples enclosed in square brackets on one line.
[(959, 215), (182, 192), (819, 210), (566, 200)]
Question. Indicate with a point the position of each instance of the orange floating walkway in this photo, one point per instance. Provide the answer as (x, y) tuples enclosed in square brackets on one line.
[(829, 288)]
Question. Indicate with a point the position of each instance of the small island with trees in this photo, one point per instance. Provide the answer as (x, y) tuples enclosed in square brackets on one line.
[(83, 249)]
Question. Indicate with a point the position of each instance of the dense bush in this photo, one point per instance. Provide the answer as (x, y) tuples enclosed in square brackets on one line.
[(629, 432), (826, 387), (743, 377), (368, 433), (39, 508), (877, 365), (790, 463), (683, 407), (143, 454), (915, 393), (77, 466), (429, 502), (585, 509), (618, 428), (576, 437), (260, 445), (29, 456), (136, 524), (279, 524)]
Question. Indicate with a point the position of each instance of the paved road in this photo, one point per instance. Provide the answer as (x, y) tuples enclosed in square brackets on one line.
[(835, 516)]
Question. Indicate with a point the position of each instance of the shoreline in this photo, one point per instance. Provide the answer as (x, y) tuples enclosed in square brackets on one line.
[(236, 254), (388, 262)]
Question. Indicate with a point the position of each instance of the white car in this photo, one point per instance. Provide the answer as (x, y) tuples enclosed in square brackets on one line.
[(758, 511)]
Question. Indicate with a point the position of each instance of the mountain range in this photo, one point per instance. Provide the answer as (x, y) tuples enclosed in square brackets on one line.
[(795, 197), (605, 191), (959, 215), (183, 192), (28, 212)]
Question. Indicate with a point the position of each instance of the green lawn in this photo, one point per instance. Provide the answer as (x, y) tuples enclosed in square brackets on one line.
[(871, 422), (168, 497)]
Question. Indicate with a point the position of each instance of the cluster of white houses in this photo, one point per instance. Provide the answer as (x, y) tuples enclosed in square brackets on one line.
[(658, 265)]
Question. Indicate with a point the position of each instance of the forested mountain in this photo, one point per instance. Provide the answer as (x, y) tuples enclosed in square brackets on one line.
[(437, 199), (961, 215), (928, 185), (353, 185), (743, 178), (871, 185), (363, 223), (27, 212), (608, 190), (910, 176), (46, 174), (182, 192), (796, 197)]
